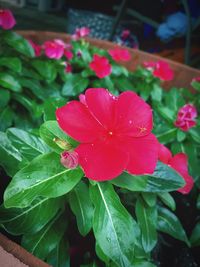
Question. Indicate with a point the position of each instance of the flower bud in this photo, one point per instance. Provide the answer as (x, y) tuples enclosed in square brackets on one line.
[(69, 159)]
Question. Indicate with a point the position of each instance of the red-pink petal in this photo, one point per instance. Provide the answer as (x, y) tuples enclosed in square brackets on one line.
[(163, 71), (180, 163), (100, 65), (76, 120), (143, 154), (7, 20), (134, 115), (101, 161), (119, 54), (101, 104), (164, 154)]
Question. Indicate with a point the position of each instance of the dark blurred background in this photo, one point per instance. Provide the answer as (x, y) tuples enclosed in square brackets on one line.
[(170, 28)]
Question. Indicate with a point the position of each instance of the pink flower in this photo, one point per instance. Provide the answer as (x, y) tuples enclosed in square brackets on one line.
[(100, 65), (196, 79), (37, 48), (7, 20), (114, 133), (150, 65), (160, 69), (179, 162), (69, 159), (120, 54), (68, 68), (80, 33), (125, 34), (54, 49), (68, 54), (186, 117)]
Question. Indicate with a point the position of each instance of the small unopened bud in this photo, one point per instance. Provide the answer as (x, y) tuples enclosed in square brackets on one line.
[(69, 159), (62, 144), (82, 99), (79, 54)]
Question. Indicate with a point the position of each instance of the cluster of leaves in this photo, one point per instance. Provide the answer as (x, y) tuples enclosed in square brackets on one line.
[(43, 199)]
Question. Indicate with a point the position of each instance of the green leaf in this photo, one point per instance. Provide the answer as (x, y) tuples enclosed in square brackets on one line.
[(110, 85), (101, 255), (196, 85), (50, 107), (144, 90), (198, 201), (195, 236), (4, 98), (43, 242), (59, 256), (142, 263), (6, 118), (180, 135), (10, 158), (123, 84), (19, 44), (166, 113), (35, 87), (46, 69), (82, 207), (74, 85), (149, 198), (29, 145), (44, 176), (12, 63), (147, 220), (31, 219), (51, 130), (194, 132), (156, 93), (85, 73), (114, 228), (28, 103), (174, 100), (119, 70), (9, 82), (93, 264), (167, 136), (163, 179), (170, 224), (168, 200)]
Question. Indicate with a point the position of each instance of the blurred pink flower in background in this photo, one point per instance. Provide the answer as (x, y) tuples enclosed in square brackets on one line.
[(119, 54), (68, 54), (160, 69), (100, 65), (68, 68), (186, 117), (54, 49), (80, 33), (7, 20), (125, 34)]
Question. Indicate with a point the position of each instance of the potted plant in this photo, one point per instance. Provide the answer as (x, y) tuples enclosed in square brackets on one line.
[(92, 150)]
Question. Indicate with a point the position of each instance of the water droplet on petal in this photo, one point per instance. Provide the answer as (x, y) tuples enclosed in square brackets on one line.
[(130, 122)]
